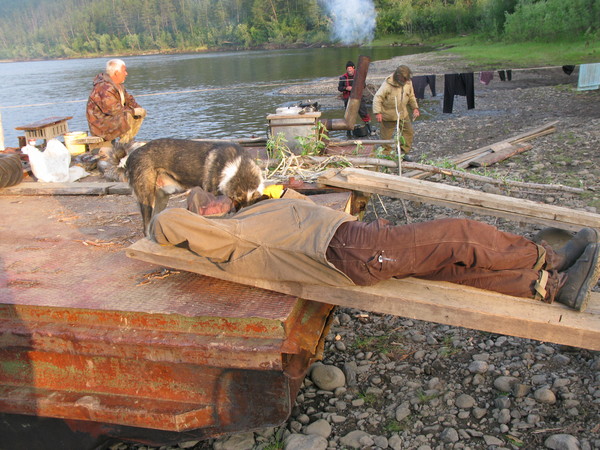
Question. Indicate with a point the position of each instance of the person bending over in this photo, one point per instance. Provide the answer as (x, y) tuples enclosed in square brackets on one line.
[(297, 240), (390, 106)]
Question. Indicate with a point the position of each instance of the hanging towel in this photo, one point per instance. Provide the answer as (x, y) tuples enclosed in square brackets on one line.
[(568, 69), (486, 76), (505, 74), (589, 77), (420, 82), (458, 84)]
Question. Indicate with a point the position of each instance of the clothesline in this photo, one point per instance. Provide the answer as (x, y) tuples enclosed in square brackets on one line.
[(478, 71)]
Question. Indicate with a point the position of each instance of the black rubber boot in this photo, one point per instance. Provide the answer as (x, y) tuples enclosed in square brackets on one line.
[(581, 278), (572, 250)]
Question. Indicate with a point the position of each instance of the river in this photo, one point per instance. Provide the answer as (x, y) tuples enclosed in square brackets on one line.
[(200, 95)]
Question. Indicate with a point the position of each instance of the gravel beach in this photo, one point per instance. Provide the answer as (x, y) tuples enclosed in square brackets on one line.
[(388, 382)]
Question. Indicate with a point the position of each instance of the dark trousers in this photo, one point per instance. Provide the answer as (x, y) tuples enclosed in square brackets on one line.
[(458, 84), (363, 111), (420, 82), (456, 250)]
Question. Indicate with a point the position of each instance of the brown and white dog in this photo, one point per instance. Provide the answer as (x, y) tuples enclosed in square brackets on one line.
[(167, 166)]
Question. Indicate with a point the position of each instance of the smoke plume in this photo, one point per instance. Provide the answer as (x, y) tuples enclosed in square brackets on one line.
[(353, 20)]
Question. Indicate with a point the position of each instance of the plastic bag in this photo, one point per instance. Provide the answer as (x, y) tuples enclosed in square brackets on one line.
[(51, 165)]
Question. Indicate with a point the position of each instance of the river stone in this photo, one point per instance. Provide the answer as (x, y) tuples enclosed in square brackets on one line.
[(545, 395), (242, 441), (403, 411), (520, 390), (328, 377), (493, 440), (305, 442), (353, 438), (478, 367), (464, 401), (395, 442), (320, 427), (562, 442), (449, 435), (505, 383), (350, 369)]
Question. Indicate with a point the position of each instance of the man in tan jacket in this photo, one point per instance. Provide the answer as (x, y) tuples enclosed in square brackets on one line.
[(390, 106), (297, 240)]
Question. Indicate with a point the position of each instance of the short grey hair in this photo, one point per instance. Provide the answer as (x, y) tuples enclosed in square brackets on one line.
[(114, 65)]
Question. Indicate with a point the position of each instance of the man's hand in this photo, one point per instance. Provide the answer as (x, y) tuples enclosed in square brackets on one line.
[(416, 113), (379, 117)]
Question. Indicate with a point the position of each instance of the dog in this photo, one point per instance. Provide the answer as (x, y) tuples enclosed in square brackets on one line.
[(167, 166)]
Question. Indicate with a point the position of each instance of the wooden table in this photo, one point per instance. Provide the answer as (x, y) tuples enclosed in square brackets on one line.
[(46, 128)]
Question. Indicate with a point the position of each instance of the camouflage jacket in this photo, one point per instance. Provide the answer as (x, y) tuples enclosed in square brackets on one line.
[(106, 110)]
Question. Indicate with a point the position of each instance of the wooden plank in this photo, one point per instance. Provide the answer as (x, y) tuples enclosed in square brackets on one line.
[(462, 199), (439, 302), (499, 154), (78, 188), (463, 160)]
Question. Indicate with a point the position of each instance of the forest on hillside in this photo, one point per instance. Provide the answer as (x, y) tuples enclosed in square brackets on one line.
[(71, 28)]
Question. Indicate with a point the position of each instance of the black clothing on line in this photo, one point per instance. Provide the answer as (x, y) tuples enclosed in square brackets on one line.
[(458, 84), (504, 75), (420, 82)]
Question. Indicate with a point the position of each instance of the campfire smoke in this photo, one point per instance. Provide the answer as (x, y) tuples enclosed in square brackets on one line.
[(353, 20)]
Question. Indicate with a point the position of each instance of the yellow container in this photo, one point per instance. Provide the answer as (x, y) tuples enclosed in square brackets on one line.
[(71, 137)]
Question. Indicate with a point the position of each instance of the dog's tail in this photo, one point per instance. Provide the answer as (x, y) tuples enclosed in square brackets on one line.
[(116, 161)]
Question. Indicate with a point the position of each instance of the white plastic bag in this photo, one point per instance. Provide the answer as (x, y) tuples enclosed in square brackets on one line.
[(51, 165)]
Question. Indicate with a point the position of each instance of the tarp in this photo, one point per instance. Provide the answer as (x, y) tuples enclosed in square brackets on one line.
[(589, 77)]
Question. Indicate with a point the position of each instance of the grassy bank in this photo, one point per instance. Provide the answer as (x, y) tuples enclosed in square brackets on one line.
[(485, 54)]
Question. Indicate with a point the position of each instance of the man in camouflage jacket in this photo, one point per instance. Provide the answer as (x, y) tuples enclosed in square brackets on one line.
[(111, 111)]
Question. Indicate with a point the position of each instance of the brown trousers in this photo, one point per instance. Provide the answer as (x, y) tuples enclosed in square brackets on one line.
[(456, 250), (387, 130)]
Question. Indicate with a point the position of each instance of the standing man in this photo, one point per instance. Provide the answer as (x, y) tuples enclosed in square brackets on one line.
[(390, 106), (345, 87), (112, 113)]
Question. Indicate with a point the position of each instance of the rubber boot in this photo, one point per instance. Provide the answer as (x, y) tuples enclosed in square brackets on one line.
[(565, 257), (581, 278)]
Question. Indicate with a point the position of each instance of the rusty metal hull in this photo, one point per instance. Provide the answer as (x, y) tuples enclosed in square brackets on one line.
[(114, 347)]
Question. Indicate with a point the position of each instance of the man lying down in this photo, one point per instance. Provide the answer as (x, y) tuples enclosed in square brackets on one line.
[(297, 240)]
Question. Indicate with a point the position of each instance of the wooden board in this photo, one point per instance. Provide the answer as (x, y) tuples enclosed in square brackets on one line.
[(499, 153), (439, 302), (462, 199), (77, 188)]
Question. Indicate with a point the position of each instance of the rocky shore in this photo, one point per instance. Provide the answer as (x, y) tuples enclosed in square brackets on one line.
[(388, 382)]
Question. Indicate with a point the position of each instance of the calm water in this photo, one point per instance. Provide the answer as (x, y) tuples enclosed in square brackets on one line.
[(209, 95)]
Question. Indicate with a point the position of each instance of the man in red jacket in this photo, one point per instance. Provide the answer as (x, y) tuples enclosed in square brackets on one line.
[(345, 87)]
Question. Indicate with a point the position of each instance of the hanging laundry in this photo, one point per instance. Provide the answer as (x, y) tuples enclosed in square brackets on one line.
[(505, 74), (568, 69), (420, 82), (458, 84), (589, 77), (486, 77)]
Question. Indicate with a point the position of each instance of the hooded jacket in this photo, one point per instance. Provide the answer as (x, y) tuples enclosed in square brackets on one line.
[(391, 93), (278, 239), (107, 109)]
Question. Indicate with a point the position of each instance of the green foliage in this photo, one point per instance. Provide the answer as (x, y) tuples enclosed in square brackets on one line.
[(315, 143), (543, 19), (68, 28)]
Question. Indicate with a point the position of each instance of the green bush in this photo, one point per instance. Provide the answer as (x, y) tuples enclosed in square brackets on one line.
[(552, 19)]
